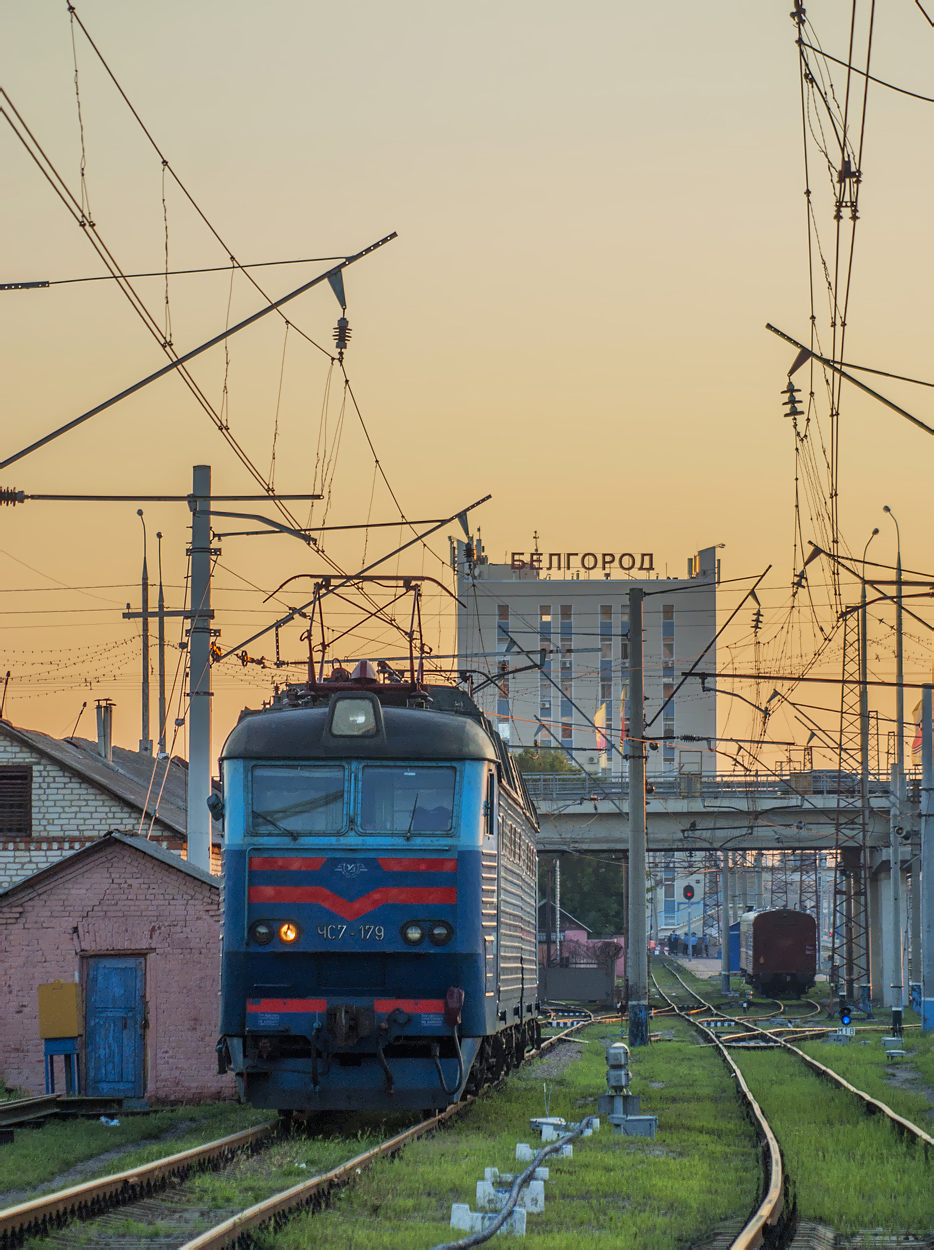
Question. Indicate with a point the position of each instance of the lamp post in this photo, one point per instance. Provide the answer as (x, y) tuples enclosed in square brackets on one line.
[(895, 809)]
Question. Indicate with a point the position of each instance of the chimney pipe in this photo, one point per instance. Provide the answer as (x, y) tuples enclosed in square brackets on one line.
[(105, 716)]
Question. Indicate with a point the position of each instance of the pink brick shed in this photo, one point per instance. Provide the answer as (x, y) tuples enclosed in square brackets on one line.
[(120, 907)]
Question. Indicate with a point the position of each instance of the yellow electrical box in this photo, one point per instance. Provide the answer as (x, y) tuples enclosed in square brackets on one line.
[(60, 1010)]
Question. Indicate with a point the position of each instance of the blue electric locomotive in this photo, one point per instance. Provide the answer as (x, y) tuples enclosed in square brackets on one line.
[(380, 935)]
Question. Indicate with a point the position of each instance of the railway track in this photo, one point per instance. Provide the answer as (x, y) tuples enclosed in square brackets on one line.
[(775, 1219), (19, 1111), (154, 1193), (872, 1105), (770, 1221)]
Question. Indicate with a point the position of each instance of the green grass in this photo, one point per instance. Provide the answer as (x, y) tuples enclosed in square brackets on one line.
[(622, 1192), (849, 1170), (866, 1068), (212, 1196), (37, 1155)]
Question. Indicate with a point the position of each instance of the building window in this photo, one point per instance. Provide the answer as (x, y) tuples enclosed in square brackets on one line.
[(606, 691), (668, 650), (16, 800), (567, 611), (567, 732), (668, 612), (606, 612), (544, 613)]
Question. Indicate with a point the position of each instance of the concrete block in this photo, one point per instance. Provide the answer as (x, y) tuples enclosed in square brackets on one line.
[(635, 1125), (496, 1177), (493, 1198), (526, 1154), (477, 1221)]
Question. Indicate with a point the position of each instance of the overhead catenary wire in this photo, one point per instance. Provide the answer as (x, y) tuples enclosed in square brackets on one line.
[(172, 273)]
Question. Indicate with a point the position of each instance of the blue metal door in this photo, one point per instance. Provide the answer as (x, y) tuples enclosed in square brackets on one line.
[(114, 1026)]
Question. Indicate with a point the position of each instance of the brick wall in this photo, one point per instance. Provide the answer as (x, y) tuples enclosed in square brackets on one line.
[(117, 901), (67, 814)]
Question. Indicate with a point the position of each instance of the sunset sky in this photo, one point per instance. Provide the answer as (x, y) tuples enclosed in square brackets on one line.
[(599, 208)]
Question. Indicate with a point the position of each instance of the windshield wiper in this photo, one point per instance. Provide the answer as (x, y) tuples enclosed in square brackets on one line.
[(408, 832), (269, 820)]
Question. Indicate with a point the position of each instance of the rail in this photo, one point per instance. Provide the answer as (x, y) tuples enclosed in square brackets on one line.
[(93, 1197), (872, 1105), (768, 1214), (28, 1110)]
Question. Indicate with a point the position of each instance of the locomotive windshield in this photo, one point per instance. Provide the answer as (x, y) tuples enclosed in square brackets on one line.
[(298, 800), (404, 799)]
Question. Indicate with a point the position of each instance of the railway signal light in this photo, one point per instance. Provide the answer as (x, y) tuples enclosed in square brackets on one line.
[(688, 892), (845, 1016)]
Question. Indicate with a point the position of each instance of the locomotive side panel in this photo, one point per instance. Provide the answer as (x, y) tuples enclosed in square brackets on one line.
[(518, 950)]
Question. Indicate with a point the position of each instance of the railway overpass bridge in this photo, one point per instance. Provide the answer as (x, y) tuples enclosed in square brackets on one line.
[(754, 812)]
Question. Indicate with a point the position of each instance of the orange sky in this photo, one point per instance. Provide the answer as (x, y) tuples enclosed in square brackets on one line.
[(598, 209)]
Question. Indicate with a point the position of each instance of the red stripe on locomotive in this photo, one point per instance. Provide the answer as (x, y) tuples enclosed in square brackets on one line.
[(408, 1004), (350, 909), (286, 1004), (287, 861), (418, 865)]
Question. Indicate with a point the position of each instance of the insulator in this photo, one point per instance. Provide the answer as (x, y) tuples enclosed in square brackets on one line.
[(341, 333), (9, 497)]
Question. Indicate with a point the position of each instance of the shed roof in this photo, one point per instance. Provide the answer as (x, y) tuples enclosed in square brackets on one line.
[(133, 778), (142, 845)]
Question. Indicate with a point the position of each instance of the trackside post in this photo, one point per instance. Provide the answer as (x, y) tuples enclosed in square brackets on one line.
[(637, 964)]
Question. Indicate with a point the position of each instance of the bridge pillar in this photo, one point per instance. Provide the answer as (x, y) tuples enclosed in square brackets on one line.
[(914, 967), (880, 919)]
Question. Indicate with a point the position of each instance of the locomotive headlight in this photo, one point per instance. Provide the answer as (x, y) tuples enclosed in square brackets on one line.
[(262, 933), (439, 933), (289, 931), (413, 933)]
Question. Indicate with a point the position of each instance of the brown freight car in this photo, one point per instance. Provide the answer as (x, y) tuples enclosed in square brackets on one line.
[(778, 950)]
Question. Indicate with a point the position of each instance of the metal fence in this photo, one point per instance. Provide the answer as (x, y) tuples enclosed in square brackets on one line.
[(566, 787)]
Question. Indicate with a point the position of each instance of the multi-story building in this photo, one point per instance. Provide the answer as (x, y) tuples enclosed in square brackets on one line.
[(549, 655)]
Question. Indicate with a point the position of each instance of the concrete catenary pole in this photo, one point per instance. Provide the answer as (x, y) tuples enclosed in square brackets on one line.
[(865, 991), (894, 953), (725, 921), (637, 967), (145, 742), (199, 673), (558, 908), (897, 794), (927, 864), (161, 614)]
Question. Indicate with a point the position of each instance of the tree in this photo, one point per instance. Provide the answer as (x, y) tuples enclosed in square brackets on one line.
[(592, 890), (544, 760)]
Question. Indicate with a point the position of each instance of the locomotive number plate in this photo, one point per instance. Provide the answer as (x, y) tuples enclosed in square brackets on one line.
[(365, 932)]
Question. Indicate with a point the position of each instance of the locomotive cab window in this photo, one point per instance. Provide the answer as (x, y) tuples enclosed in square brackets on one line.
[(298, 800), (404, 799)]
